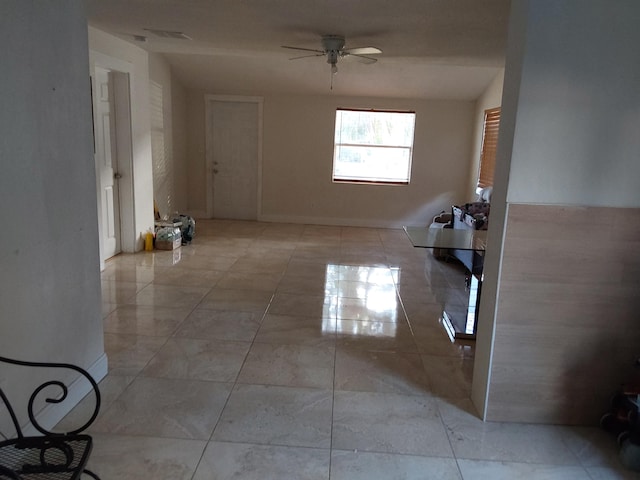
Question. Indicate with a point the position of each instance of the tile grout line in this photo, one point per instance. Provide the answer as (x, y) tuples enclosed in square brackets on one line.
[(233, 387)]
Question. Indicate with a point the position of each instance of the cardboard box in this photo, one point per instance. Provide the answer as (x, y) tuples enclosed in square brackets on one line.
[(168, 244), (168, 237)]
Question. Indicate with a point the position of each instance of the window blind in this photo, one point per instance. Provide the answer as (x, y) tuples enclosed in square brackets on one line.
[(489, 147)]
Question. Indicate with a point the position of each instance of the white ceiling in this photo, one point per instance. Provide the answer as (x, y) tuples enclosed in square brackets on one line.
[(431, 48)]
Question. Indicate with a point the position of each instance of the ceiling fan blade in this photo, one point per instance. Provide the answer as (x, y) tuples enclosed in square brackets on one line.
[(363, 51), (304, 49), (362, 58), (306, 56)]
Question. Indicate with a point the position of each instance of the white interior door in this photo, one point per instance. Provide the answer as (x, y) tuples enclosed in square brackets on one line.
[(106, 162), (234, 147)]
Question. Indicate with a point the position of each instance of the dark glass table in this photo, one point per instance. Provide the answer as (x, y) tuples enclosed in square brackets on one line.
[(459, 325)]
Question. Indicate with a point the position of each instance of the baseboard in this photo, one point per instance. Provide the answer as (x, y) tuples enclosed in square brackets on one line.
[(52, 413), (307, 220), (342, 222)]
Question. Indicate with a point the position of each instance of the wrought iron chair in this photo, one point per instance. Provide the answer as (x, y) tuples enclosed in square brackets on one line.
[(55, 456)]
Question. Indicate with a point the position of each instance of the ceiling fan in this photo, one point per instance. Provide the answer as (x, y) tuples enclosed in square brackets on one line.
[(333, 49)]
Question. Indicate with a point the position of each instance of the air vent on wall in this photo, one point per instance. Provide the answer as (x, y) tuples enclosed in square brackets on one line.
[(168, 34)]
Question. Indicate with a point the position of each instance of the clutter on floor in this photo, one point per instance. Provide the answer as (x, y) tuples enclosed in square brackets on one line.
[(623, 420), (187, 227), (170, 234), (168, 237)]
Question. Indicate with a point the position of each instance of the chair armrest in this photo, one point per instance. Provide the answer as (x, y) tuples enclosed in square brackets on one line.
[(62, 390)]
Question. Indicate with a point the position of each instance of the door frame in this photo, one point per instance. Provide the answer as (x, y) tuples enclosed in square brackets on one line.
[(122, 74), (105, 151), (208, 99)]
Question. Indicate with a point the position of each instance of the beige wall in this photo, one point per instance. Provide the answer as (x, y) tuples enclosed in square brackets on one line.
[(167, 116), (558, 327), (196, 154), (567, 330), (179, 133), (297, 162), (49, 277)]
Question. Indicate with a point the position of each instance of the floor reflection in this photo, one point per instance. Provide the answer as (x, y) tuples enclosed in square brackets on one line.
[(386, 397), (363, 300)]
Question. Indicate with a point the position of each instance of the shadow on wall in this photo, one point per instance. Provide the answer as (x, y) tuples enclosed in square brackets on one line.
[(585, 401), (423, 214)]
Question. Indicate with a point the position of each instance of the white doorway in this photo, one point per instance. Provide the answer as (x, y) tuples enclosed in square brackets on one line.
[(234, 156), (108, 174), (111, 92)]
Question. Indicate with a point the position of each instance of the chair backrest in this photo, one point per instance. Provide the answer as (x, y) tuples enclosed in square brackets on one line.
[(63, 392)]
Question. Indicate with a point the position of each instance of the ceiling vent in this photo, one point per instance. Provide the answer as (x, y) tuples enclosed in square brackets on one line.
[(168, 34)]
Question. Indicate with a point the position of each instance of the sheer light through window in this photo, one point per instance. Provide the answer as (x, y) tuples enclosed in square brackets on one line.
[(373, 146)]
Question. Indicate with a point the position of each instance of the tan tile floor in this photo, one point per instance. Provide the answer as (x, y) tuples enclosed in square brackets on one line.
[(277, 351)]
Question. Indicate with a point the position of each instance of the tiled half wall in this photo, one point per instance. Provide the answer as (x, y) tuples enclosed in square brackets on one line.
[(568, 313)]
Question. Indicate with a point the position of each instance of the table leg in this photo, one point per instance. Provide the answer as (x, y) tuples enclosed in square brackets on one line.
[(464, 326)]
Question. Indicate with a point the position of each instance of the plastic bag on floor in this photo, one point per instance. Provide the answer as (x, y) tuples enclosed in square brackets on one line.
[(188, 228)]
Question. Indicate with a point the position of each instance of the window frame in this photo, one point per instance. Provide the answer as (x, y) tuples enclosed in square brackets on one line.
[(363, 179)]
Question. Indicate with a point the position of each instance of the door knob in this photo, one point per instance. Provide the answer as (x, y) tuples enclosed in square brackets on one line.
[(215, 170), (117, 175)]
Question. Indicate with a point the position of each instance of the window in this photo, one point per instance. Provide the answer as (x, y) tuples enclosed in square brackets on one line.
[(489, 147), (373, 146)]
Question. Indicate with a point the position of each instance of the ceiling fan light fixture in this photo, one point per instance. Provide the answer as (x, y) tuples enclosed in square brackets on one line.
[(333, 43), (333, 47), (332, 56)]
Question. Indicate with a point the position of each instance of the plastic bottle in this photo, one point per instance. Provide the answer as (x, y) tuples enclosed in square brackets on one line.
[(148, 241)]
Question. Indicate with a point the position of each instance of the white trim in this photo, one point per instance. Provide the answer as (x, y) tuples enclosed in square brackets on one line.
[(485, 339), (109, 63), (208, 155), (337, 221), (52, 413)]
